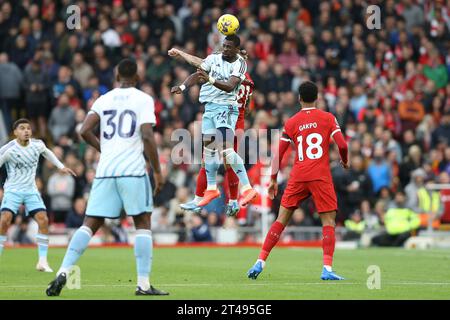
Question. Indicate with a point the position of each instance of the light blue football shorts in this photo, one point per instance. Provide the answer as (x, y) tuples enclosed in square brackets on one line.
[(219, 116), (12, 200), (109, 195)]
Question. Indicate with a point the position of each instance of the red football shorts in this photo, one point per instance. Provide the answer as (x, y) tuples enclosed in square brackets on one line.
[(322, 192)]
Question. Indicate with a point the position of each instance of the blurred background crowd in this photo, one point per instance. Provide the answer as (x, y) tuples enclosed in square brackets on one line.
[(389, 90)]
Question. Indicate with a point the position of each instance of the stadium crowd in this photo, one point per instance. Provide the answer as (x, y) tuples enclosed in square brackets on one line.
[(389, 90)]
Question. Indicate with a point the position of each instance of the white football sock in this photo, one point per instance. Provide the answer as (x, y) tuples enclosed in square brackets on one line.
[(143, 283)]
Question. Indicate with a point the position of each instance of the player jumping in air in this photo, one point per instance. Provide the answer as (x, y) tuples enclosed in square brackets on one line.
[(222, 73), (126, 117), (21, 158), (244, 96), (310, 130)]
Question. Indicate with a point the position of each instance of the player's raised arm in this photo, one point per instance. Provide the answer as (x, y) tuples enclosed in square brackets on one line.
[(192, 60), (86, 131)]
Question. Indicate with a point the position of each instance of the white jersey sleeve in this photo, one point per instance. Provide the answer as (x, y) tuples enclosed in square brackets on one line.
[(97, 106), (147, 113), (207, 63)]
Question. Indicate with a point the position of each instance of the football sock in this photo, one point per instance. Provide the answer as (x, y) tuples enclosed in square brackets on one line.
[(143, 251), (201, 183), (233, 183), (271, 240), (77, 245), (197, 199), (42, 242), (2, 243), (237, 164), (328, 244), (212, 163)]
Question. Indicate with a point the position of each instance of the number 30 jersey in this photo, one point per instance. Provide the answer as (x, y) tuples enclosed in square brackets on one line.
[(122, 111), (310, 130)]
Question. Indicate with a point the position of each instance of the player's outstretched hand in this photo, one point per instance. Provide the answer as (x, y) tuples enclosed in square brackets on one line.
[(176, 90), (68, 171), (173, 52), (159, 182), (344, 165), (273, 189)]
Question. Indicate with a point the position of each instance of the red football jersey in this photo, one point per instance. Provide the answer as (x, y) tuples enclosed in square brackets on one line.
[(310, 129)]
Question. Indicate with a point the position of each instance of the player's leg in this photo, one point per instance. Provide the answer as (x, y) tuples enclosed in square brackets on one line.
[(136, 194), (199, 191), (35, 208), (76, 248), (293, 195), (210, 158), (9, 207), (212, 163), (232, 158), (143, 251), (42, 241), (272, 237), (5, 222), (104, 202), (326, 203), (232, 179)]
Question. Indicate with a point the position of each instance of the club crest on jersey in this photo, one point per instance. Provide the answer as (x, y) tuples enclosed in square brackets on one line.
[(307, 126)]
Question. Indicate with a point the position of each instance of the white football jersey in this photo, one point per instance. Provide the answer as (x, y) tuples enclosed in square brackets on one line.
[(122, 111), (221, 70), (21, 164)]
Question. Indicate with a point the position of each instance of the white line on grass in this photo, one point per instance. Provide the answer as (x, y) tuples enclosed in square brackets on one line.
[(299, 284)]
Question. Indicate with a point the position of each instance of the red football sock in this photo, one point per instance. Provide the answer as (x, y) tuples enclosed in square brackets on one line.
[(271, 240), (201, 183), (233, 183), (328, 243)]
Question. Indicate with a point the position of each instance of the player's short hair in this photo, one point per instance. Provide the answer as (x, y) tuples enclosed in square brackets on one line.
[(19, 122), (127, 68), (235, 39), (308, 91)]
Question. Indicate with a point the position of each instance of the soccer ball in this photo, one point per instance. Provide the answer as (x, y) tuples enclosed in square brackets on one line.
[(228, 24)]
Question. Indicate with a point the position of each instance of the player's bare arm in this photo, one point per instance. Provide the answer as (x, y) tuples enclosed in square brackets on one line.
[(86, 131), (227, 86), (192, 60), (50, 156), (151, 152), (193, 79)]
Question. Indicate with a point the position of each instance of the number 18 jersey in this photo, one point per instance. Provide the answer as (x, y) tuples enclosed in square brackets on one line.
[(310, 129), (122, 111)]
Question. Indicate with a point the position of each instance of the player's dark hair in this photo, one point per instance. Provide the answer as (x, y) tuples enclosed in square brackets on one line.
[(127, 68), (308, 91), (235, 39), (19, 122)]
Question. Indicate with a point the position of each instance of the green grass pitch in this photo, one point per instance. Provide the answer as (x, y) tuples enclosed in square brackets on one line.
[(220, 273)]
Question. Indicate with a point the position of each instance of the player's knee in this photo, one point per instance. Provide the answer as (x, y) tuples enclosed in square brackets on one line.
[(41, 218), (6, 217), (328, 218)]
